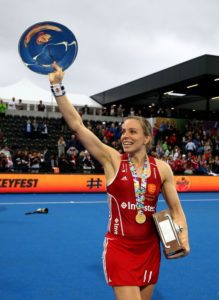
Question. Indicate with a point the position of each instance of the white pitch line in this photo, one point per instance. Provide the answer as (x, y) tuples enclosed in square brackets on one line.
[(195, 200), (62, 202), (89, 202), (95, 202)]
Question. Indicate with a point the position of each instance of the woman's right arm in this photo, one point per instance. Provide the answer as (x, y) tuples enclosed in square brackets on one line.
[(101, 152)]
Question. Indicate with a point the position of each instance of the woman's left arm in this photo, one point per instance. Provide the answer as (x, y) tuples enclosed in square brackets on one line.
[(171, 196)]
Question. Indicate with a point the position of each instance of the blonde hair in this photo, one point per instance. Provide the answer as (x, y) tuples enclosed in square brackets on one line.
[(146, 126)]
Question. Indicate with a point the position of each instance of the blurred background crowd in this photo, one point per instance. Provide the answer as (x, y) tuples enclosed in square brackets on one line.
[(35, 144)]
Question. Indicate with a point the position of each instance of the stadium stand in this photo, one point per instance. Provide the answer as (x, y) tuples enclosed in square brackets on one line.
[(30, 144)]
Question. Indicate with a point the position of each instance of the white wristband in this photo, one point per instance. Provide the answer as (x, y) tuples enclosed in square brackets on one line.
[(58, 89)]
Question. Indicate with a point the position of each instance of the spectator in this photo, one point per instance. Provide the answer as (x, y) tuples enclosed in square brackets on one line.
[(120, 111), (191, 164), (20, 105), (131, 112), (12, 104), (165, 146), (3, 108), (207, 147), (6, 151), (9, 164), (215, 165), (54, 161), (35, 162), (108, 135), (46, 160), (88, 163), (100, 111), (139, 113), (1, 138), (28, 129), (34, 128), (112, 110), (6, 159), (172, 139), (61, 146), (176, 152), (80, 161), (210, 159), (202, 165), (41, 106), (72, 153), (44, 129), (159, 151), (168, 112), (162, 129), (64, 165), (104, 111), (21, 161), (190, 146), (73, 142), (178, 165), (160, 112), (86, 110), (112, 130), (3, 162)]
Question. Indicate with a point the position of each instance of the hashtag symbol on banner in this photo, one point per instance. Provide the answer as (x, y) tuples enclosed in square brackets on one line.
[(94, 183)]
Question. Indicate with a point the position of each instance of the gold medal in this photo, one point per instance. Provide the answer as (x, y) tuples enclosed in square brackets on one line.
[(140, 218)]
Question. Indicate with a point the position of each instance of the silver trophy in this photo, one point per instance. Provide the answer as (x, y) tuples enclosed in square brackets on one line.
[(168, 232)]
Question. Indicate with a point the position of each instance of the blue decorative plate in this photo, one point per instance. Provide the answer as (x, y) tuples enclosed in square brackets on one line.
[(45, 42)]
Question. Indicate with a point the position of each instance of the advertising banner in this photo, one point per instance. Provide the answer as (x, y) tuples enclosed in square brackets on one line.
[(92, 183)]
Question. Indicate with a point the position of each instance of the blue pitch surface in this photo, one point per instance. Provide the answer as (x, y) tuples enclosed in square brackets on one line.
[(58, 255)]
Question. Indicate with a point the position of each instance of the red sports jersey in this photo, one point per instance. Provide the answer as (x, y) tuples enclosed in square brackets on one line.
[(122, 202), (131, 255)]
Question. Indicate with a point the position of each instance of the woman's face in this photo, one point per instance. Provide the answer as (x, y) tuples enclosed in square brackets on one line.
[(133, 138)]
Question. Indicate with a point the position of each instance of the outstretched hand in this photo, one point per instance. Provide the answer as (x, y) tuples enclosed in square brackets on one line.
[(57, 75)]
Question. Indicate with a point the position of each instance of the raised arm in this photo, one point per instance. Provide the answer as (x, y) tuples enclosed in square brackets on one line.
[(171, 196), (106, 155)]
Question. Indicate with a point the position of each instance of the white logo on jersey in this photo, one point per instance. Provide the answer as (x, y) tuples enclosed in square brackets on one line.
[(124, 178), (124, 168), (123, 205), (116, 226), (132, 206)]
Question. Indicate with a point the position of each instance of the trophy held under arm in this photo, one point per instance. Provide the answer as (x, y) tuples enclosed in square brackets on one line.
[(168, 232)]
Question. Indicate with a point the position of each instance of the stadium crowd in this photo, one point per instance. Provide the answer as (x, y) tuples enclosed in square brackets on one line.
[(193, 150)]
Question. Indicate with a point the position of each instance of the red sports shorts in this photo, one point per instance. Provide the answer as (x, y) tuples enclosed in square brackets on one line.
[(129, 262)]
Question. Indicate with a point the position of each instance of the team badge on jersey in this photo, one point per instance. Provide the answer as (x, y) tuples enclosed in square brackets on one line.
[(151, 188)]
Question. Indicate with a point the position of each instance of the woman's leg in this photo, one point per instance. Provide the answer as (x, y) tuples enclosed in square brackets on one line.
[(134, 292), (127, 293), (147, 292)]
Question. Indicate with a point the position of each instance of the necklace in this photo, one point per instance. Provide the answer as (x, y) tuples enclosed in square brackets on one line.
[(139, 189)]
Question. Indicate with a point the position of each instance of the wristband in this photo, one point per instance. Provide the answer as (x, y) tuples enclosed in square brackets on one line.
[(58, 89)]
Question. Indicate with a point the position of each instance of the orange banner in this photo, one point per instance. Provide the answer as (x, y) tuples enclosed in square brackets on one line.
[(197, 183), (57, 183)]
